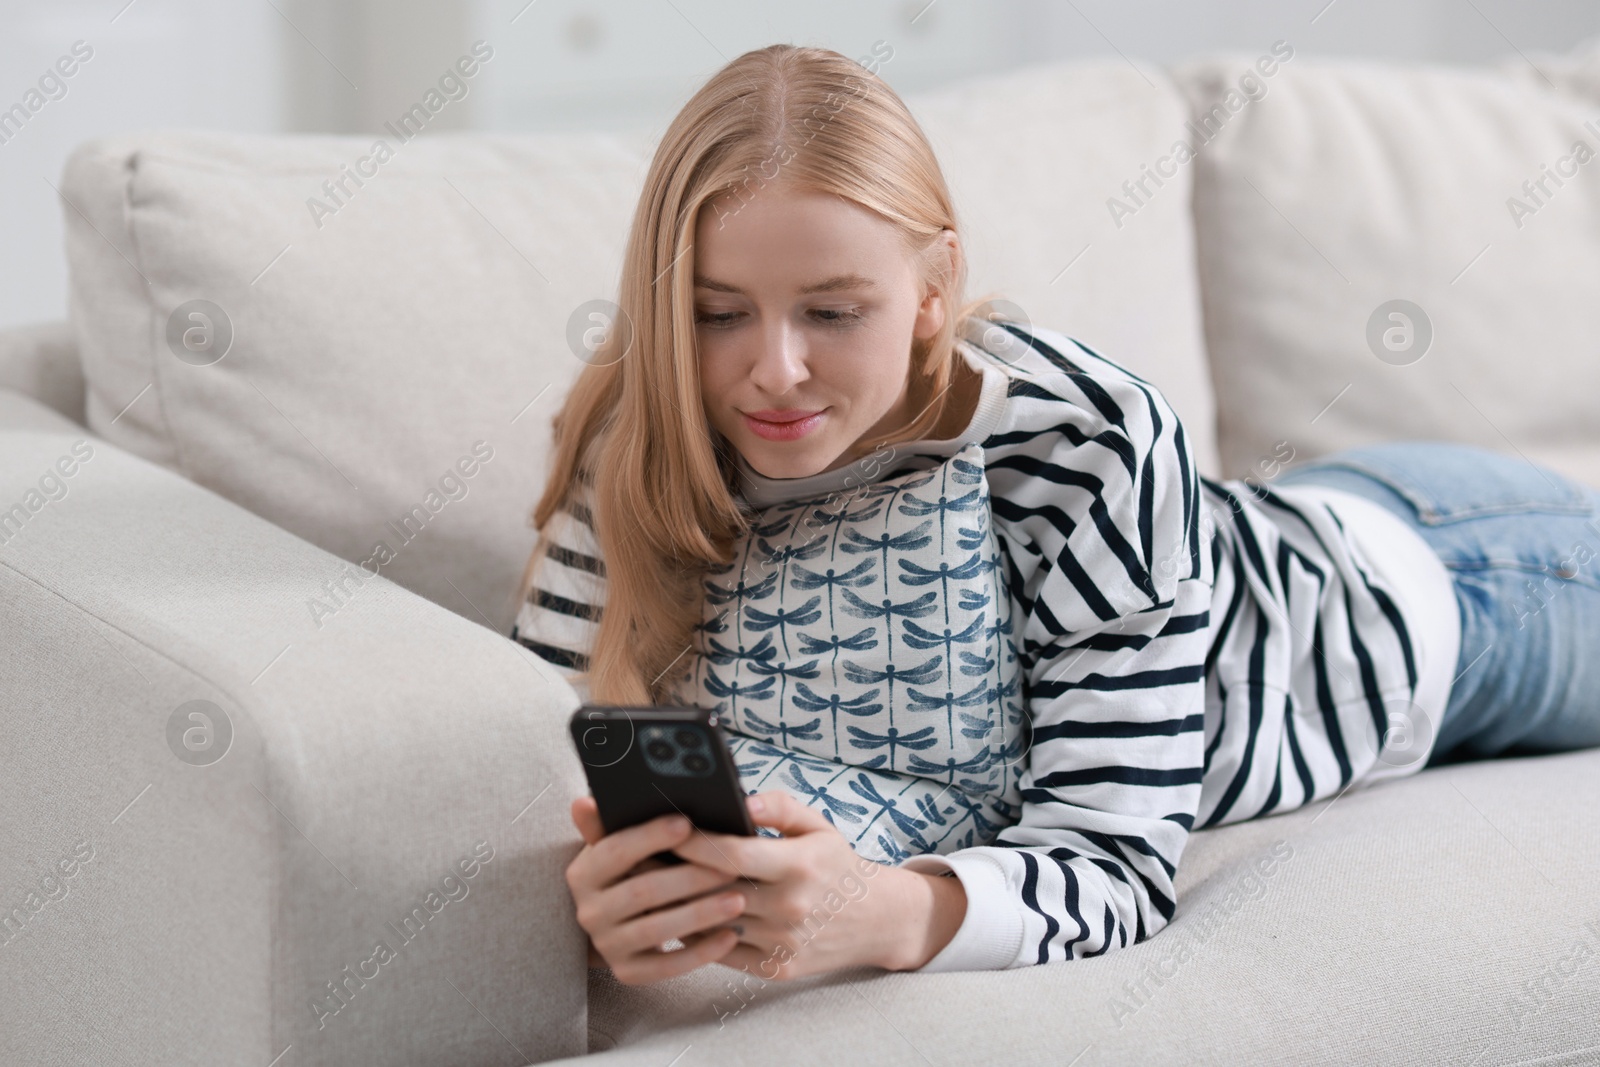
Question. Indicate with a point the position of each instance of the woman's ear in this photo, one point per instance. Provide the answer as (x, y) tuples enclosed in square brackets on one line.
[(931, 313)]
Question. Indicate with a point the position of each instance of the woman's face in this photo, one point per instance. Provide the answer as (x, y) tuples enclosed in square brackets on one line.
[(805, 309)]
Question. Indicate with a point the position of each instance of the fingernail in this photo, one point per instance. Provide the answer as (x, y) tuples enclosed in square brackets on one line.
[(757, 805), (679, 824)]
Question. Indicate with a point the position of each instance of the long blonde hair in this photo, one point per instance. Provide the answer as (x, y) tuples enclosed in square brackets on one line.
[(633, 425)]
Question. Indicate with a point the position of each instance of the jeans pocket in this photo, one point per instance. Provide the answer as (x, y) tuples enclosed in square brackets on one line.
[(1447, 482)]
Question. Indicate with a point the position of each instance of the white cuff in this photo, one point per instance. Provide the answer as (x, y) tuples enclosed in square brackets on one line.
[(991, 934)]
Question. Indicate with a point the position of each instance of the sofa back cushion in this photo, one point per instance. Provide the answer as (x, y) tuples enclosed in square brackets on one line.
[(1032, 159), (1352, 194), (393, 325), (392, 368)]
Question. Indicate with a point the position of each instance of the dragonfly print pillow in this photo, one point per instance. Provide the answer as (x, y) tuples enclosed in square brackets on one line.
[(859, 650)]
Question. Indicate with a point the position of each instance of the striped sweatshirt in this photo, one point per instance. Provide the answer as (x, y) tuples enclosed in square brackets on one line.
[(1195, 652)]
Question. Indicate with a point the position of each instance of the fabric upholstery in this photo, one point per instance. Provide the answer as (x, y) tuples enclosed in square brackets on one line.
[(367, 760), (371, 355), (41, 361), (1353, 184), (1452, 917)]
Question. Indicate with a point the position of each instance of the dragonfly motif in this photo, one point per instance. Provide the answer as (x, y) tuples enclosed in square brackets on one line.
[(893, 854), (970, 538), (779, 550), (783, 554), (994, 696), (861, 641), (964, 472), (944, 574), (856, 577), (974, 665), (917, 537), (723, 654), (921, 674), (915, 505), (807, 699), (917, 637), (822, 518), (891, 738), (1000, 631), (892, 487), (694, 672), (834, 804), (785, 671), (740, 744), (886, 609), (909, 825), (921, 701), (983, 829), (950, 767), (806, 731), (758, 621), (759, 589), (733, 690), (981, 823)]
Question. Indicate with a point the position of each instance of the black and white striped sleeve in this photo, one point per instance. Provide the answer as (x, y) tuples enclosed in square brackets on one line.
[(1100, 515), (558, 618)]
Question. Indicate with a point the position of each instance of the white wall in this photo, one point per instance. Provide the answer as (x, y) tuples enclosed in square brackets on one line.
[(202, 63), (344, 65), (566, 63)]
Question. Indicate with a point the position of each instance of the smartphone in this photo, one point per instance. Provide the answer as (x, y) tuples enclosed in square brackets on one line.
[(643, 762)]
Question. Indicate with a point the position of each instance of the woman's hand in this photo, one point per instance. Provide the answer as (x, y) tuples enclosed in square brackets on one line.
[(624, 896), (813, 905)]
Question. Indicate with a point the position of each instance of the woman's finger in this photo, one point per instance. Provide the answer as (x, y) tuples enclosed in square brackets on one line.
[(614, 855), (783, 812), (655, 928), (655, 965), (586, 817), (763, 859), (650, 891)]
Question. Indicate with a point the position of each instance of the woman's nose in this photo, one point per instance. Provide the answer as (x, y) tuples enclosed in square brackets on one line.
[(780, 362)]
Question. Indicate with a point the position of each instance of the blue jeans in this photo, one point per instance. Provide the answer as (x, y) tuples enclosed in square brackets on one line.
[(1522, 546)]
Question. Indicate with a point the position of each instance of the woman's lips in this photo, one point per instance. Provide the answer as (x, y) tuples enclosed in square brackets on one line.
[(782, 425)]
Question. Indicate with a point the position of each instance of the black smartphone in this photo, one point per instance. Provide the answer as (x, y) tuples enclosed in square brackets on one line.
[(643, 762)]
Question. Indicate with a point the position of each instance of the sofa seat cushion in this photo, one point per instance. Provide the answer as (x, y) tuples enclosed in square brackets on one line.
[(1450, 917)]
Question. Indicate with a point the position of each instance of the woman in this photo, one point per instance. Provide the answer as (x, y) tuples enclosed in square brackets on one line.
[(1192, 652)]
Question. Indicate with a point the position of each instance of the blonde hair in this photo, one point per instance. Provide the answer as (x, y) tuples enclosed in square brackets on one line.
[(633, 426)]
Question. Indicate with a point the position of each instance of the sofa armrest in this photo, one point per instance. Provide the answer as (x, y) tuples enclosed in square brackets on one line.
[(41, 361), (370, 869)]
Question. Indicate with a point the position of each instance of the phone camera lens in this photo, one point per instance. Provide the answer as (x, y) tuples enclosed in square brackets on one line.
[(659, 749), (695, 763), (688, 738)]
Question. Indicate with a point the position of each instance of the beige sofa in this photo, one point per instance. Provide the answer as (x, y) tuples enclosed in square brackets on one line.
[(354, 854)]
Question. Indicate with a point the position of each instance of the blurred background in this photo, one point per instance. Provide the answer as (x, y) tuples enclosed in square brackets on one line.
[(348, 66)]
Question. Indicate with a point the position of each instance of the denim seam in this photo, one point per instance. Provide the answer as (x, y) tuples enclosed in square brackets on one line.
[(1519, 565), (1572, 505)]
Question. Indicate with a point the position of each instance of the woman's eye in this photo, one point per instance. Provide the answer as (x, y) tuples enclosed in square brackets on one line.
[(839, 316), (827, 316)]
